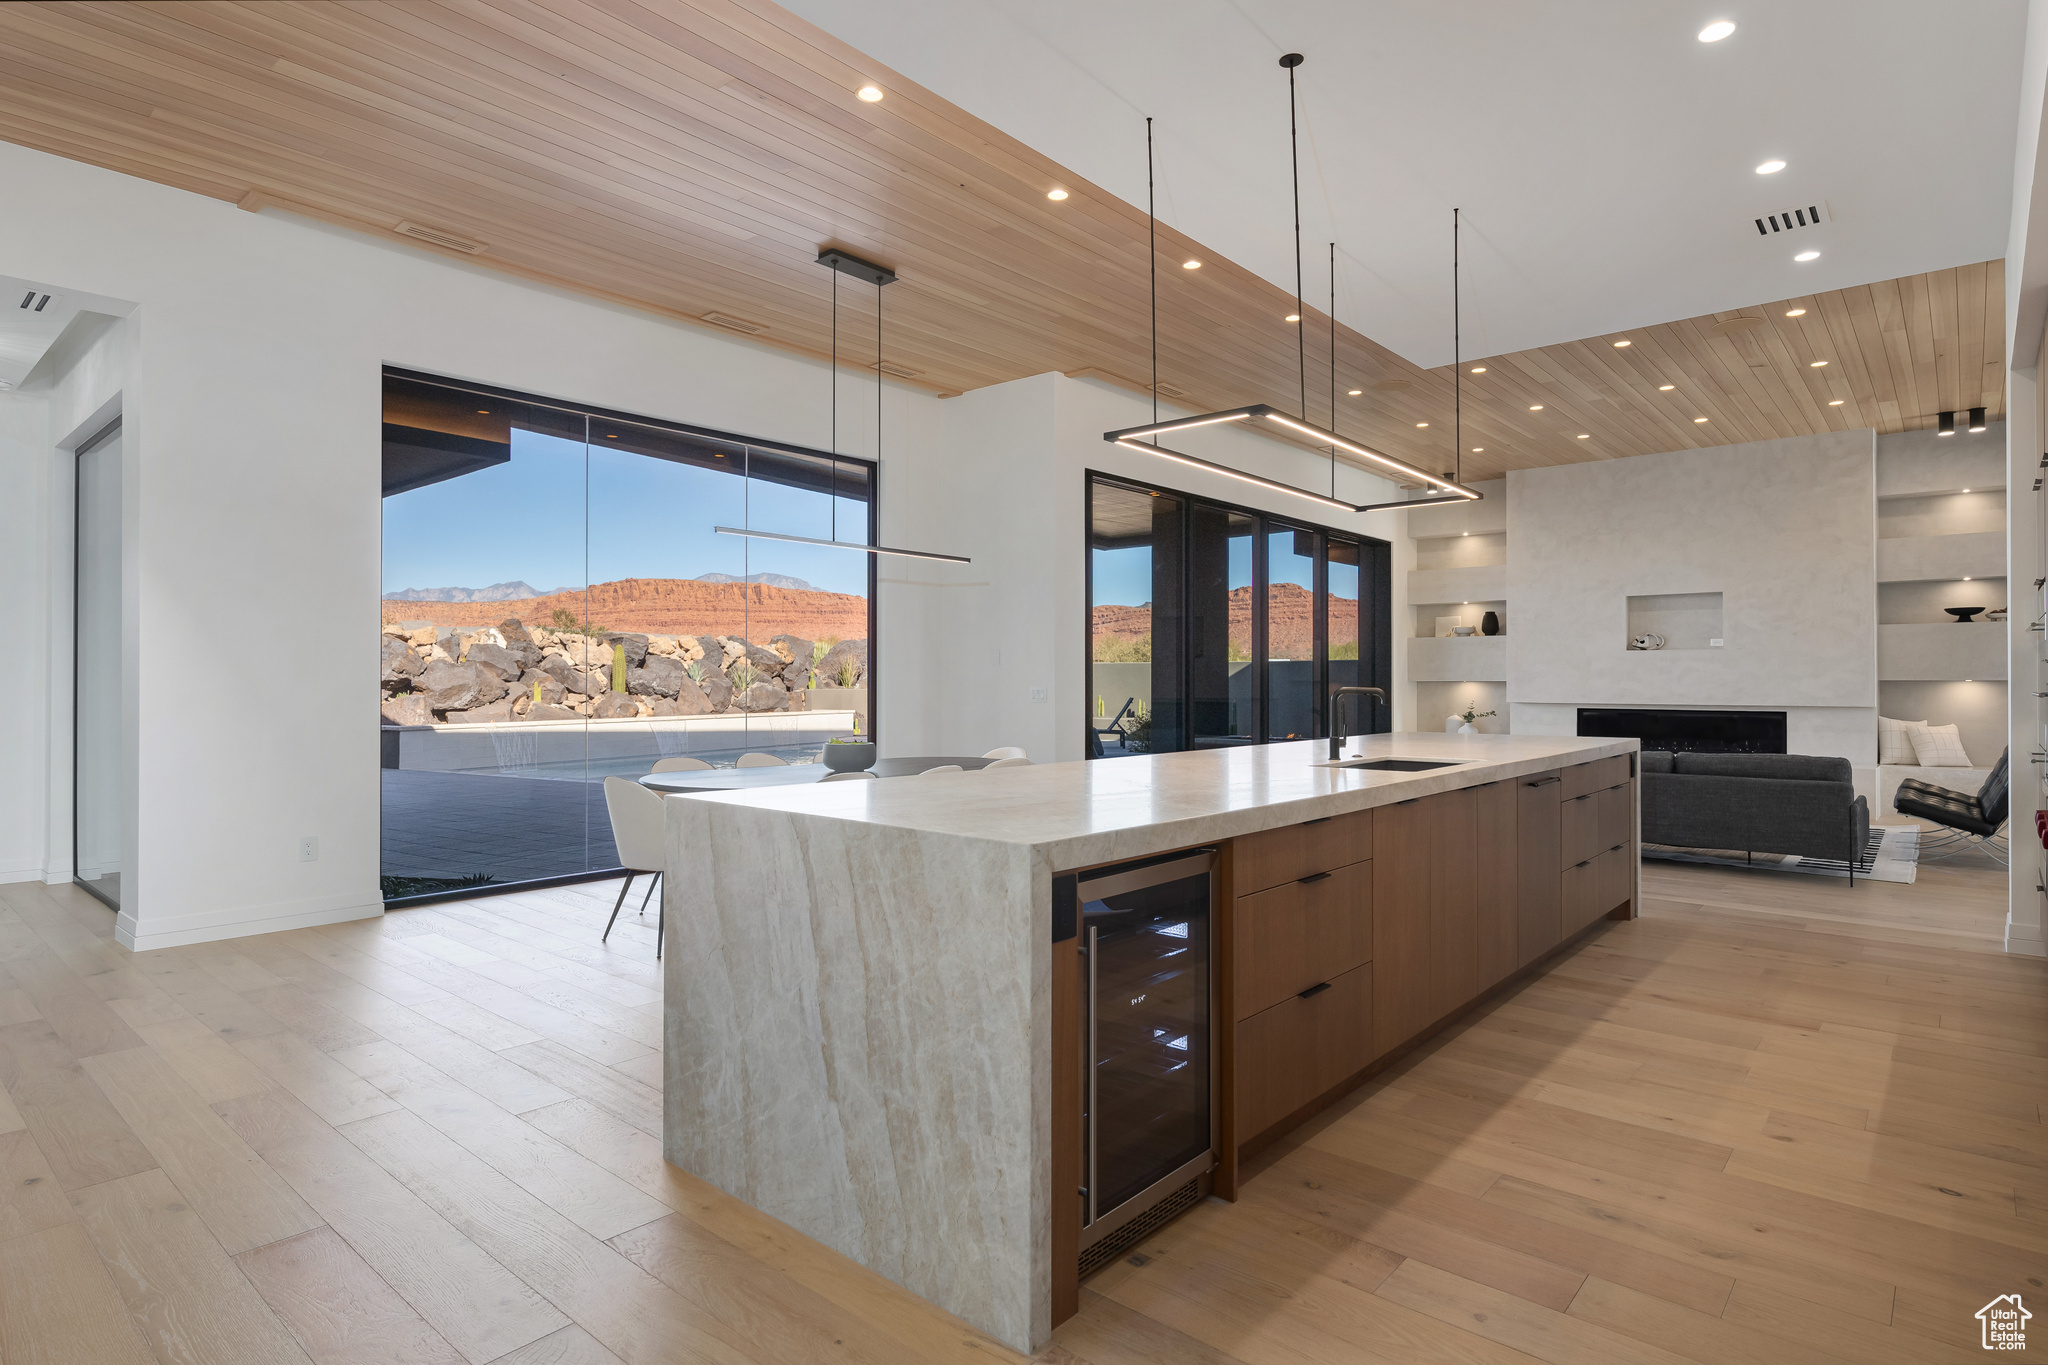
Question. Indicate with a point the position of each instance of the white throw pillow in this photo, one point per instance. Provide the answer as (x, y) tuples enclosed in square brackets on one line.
[(1894, 747), (1939, 746)]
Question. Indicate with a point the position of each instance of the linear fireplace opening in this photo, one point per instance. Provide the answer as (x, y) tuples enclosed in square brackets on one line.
[(1695, 732)]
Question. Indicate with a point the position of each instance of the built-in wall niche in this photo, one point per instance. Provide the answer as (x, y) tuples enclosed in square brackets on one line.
[(1925, 601), (1431, 616), (1437, 702), (1941, 514), (1681, 620), (1461, 552)]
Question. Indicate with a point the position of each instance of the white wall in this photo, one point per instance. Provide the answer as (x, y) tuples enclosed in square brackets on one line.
[(250, 389), (1785, 530)]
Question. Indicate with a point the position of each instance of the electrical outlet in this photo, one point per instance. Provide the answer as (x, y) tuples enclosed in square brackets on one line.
[(1714, 644), (1039, 694), (309, 849)]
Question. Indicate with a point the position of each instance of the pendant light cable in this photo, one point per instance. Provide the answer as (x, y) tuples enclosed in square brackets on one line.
[(1152, 245), (1333, 365), (1457, 364), (878, 372), (1290, 61)]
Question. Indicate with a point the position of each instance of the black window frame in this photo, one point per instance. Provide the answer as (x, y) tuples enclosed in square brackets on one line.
[(1375, 608)]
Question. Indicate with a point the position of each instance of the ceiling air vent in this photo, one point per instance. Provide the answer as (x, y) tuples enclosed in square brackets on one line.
[(891, 367), (39, 301), (1793, 219), (737, 324), (1169, 391), (440, 238)]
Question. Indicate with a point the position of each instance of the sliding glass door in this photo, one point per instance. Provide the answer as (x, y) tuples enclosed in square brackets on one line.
[(1214, 626), (98, 830)]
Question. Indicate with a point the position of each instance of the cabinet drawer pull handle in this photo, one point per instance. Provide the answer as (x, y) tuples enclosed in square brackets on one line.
[(1587, 797), (1582, 864), (1409, 802), (1311, 878), (1313, 990), (1546, 782)]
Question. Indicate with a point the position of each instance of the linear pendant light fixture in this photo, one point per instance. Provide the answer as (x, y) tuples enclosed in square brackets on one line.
[(877, 275), (1136, 438)]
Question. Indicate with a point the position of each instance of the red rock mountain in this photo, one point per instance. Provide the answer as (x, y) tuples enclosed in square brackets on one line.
[(1290, 621), (667, 606)]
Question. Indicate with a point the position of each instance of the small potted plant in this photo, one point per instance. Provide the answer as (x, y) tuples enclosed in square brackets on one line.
[(1471, 718), (852, 753)]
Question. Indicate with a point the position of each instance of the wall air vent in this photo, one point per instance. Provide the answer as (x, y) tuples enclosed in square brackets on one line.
[(39, 301), (737, 324), (900, 371), (440, 238), (1792, 219)]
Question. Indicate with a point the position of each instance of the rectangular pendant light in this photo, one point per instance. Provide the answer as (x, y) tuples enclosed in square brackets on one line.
[(1449, 491), (840, 544)]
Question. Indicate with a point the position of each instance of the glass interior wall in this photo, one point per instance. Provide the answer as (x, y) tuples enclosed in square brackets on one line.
[(98, 829), (1213, 625), (559, 608)]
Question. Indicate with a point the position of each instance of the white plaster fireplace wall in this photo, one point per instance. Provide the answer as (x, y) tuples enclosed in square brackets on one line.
[(1785, 530)]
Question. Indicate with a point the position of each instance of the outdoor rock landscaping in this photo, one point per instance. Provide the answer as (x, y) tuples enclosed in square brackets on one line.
[(514, 672)]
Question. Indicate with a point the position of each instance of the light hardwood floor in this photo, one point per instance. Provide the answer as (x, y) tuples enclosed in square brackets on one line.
[(1771, 1121)]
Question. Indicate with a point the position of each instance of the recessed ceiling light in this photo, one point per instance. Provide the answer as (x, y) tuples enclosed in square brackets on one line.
[(1966, 490), (1716, 31), (870, 93), (1585, 435), (1355, 392), (1055, 195), (1422, 424), (483, 412), (1795, 312), (1294, 317), (1621, 343), (1770, 167), (1476, 450), (1816, 364), (1666, 388), (1966, 578), (1479, 369), (1699, 419), (1190, 265), (1834, 402), (1807, 256), (1464, 533), (1536, 407)]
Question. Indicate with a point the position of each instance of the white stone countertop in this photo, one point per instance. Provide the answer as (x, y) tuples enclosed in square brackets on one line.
[(1103, 810)]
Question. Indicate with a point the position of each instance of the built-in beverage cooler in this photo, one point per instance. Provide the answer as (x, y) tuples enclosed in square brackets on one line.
[(1148, 1067)]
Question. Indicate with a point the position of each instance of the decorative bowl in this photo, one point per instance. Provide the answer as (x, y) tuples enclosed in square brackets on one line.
[(1463, 630), (849, 758), (1962, 614)]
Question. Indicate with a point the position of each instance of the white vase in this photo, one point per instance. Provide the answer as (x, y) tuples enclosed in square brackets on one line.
[(1468, 730), (1451, 724)]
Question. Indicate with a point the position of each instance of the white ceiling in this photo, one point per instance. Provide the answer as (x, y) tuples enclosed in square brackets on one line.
[(1603, 156)]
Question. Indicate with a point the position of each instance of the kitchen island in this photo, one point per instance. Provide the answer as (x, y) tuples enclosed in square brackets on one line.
[(869, 1017)]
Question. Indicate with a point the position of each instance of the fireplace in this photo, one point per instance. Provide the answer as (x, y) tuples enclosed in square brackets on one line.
[(1698, 732)]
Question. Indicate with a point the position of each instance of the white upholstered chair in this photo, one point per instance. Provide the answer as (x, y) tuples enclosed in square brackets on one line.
[(1017, 762), (680, 765), (1011, 751), (761, 761), (942, 768), (847, 777), (639, 832)]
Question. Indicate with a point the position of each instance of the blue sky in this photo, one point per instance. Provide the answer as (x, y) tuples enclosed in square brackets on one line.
[(646, 518)]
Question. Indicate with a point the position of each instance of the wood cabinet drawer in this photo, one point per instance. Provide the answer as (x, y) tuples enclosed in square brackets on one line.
[(1596, 886), (1293, 936), (1616, 815), (1301, 1047), (1579, 823), (1582, 778), (1292, 852)]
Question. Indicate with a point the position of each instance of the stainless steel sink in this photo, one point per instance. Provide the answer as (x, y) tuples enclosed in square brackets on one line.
[(1393, 765)]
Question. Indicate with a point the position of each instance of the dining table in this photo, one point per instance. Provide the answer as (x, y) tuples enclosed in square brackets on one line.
[(788, 775)]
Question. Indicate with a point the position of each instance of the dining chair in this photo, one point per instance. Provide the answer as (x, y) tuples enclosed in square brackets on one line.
[(680, 765), (1000, 754), (942, 768), (847, 777), (639, 832), (761, 761), (1019, 761)]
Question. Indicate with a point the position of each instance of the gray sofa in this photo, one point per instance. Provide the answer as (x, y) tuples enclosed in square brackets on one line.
[(1756, 803)]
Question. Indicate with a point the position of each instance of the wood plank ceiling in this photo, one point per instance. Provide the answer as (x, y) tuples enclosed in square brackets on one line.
[(692, 156)]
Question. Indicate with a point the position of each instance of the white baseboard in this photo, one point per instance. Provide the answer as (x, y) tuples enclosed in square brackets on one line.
[(20, 874), (2024, 939), (175, 931)]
